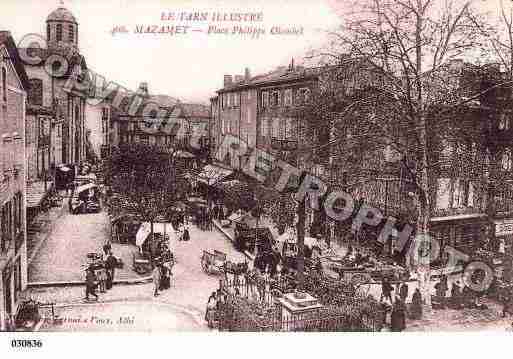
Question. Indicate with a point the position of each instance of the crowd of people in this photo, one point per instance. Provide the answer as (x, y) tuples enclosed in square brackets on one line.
[(459, 297), (162, 274)]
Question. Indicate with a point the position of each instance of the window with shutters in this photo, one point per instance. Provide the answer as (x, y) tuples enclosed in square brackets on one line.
[(59, 32), (303, 95), (282, 128), (275, 98), (275, 128), (504, 122), (71, 32), (264, 128), (265, 99), (287, 97)]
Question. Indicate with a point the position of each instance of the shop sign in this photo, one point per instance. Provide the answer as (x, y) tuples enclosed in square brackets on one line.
[(504, 227)]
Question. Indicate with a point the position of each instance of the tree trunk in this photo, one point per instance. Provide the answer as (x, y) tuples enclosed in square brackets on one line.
[(300, 259), (152, 244)]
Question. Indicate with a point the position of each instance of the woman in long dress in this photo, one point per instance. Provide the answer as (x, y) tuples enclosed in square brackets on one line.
[(398, 316), (416, 305)]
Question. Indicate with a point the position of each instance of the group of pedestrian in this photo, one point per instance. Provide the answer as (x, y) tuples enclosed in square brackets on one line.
[(162, 274), (460, 297), (204, 219), (101, 275), (219, 212), (398, 306)]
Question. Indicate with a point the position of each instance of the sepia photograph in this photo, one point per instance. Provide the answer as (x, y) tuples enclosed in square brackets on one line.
[(267, 166)]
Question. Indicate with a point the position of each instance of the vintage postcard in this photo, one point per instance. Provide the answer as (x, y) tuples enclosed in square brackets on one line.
[(264, 166)]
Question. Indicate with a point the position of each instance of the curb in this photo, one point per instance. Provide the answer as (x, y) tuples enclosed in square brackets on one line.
[(77, 283), (230, 238)]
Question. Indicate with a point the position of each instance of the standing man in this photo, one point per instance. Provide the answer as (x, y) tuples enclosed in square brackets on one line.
[(110, 267), (386, 290), (156, 279), (90, 283), (403, 292)]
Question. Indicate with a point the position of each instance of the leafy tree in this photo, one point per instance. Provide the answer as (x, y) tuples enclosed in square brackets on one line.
[(146, 178), (396, 85)]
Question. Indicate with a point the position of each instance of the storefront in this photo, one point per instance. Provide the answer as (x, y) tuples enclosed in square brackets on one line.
[(464, 232)]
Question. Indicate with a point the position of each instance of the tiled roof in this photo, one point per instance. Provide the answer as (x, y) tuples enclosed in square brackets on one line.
[(284, 74), (7, 41)]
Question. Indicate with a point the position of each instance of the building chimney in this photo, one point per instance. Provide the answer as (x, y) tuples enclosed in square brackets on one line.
[(247, 74), (239, 79), (228, 80), (143, 89)]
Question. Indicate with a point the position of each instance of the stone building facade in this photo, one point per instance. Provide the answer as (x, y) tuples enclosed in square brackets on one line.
[(56, 69), (13, 246)]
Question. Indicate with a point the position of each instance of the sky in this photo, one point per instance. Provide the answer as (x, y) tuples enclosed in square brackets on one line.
[(187, 66)]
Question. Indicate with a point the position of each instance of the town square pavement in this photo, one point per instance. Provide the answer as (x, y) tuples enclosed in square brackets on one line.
[(190, 286), (62, 255)]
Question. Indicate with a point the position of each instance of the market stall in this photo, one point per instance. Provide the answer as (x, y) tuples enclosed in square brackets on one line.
[(124, 228), (85, 199), (249, 232), (156, 250)]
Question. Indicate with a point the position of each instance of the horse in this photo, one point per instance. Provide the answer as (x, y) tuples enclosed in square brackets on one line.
[(236, 269)]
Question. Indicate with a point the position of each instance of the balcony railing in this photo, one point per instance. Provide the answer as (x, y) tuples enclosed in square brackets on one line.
[(283, 144)]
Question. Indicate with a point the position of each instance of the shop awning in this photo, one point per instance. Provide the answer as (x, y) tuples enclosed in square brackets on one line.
[(161, 228), (213, 174), (91, 177), (183, 154), (85, 187), (457, 217)]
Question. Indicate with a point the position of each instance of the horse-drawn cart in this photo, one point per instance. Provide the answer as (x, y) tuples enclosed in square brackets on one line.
[(213, 262), (216, 262)]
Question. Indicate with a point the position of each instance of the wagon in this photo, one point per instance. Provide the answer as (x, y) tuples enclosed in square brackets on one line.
[(213, 262)]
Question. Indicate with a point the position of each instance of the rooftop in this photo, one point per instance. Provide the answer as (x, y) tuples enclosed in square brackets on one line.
[(61, 14)]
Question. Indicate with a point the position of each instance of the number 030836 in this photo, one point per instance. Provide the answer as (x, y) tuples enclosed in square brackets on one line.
[(26, 343)]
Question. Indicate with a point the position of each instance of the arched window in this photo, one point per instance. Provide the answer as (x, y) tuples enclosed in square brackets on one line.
[(59, 32), (48, 32), (35, 93), (4, 84), (71, 33)]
